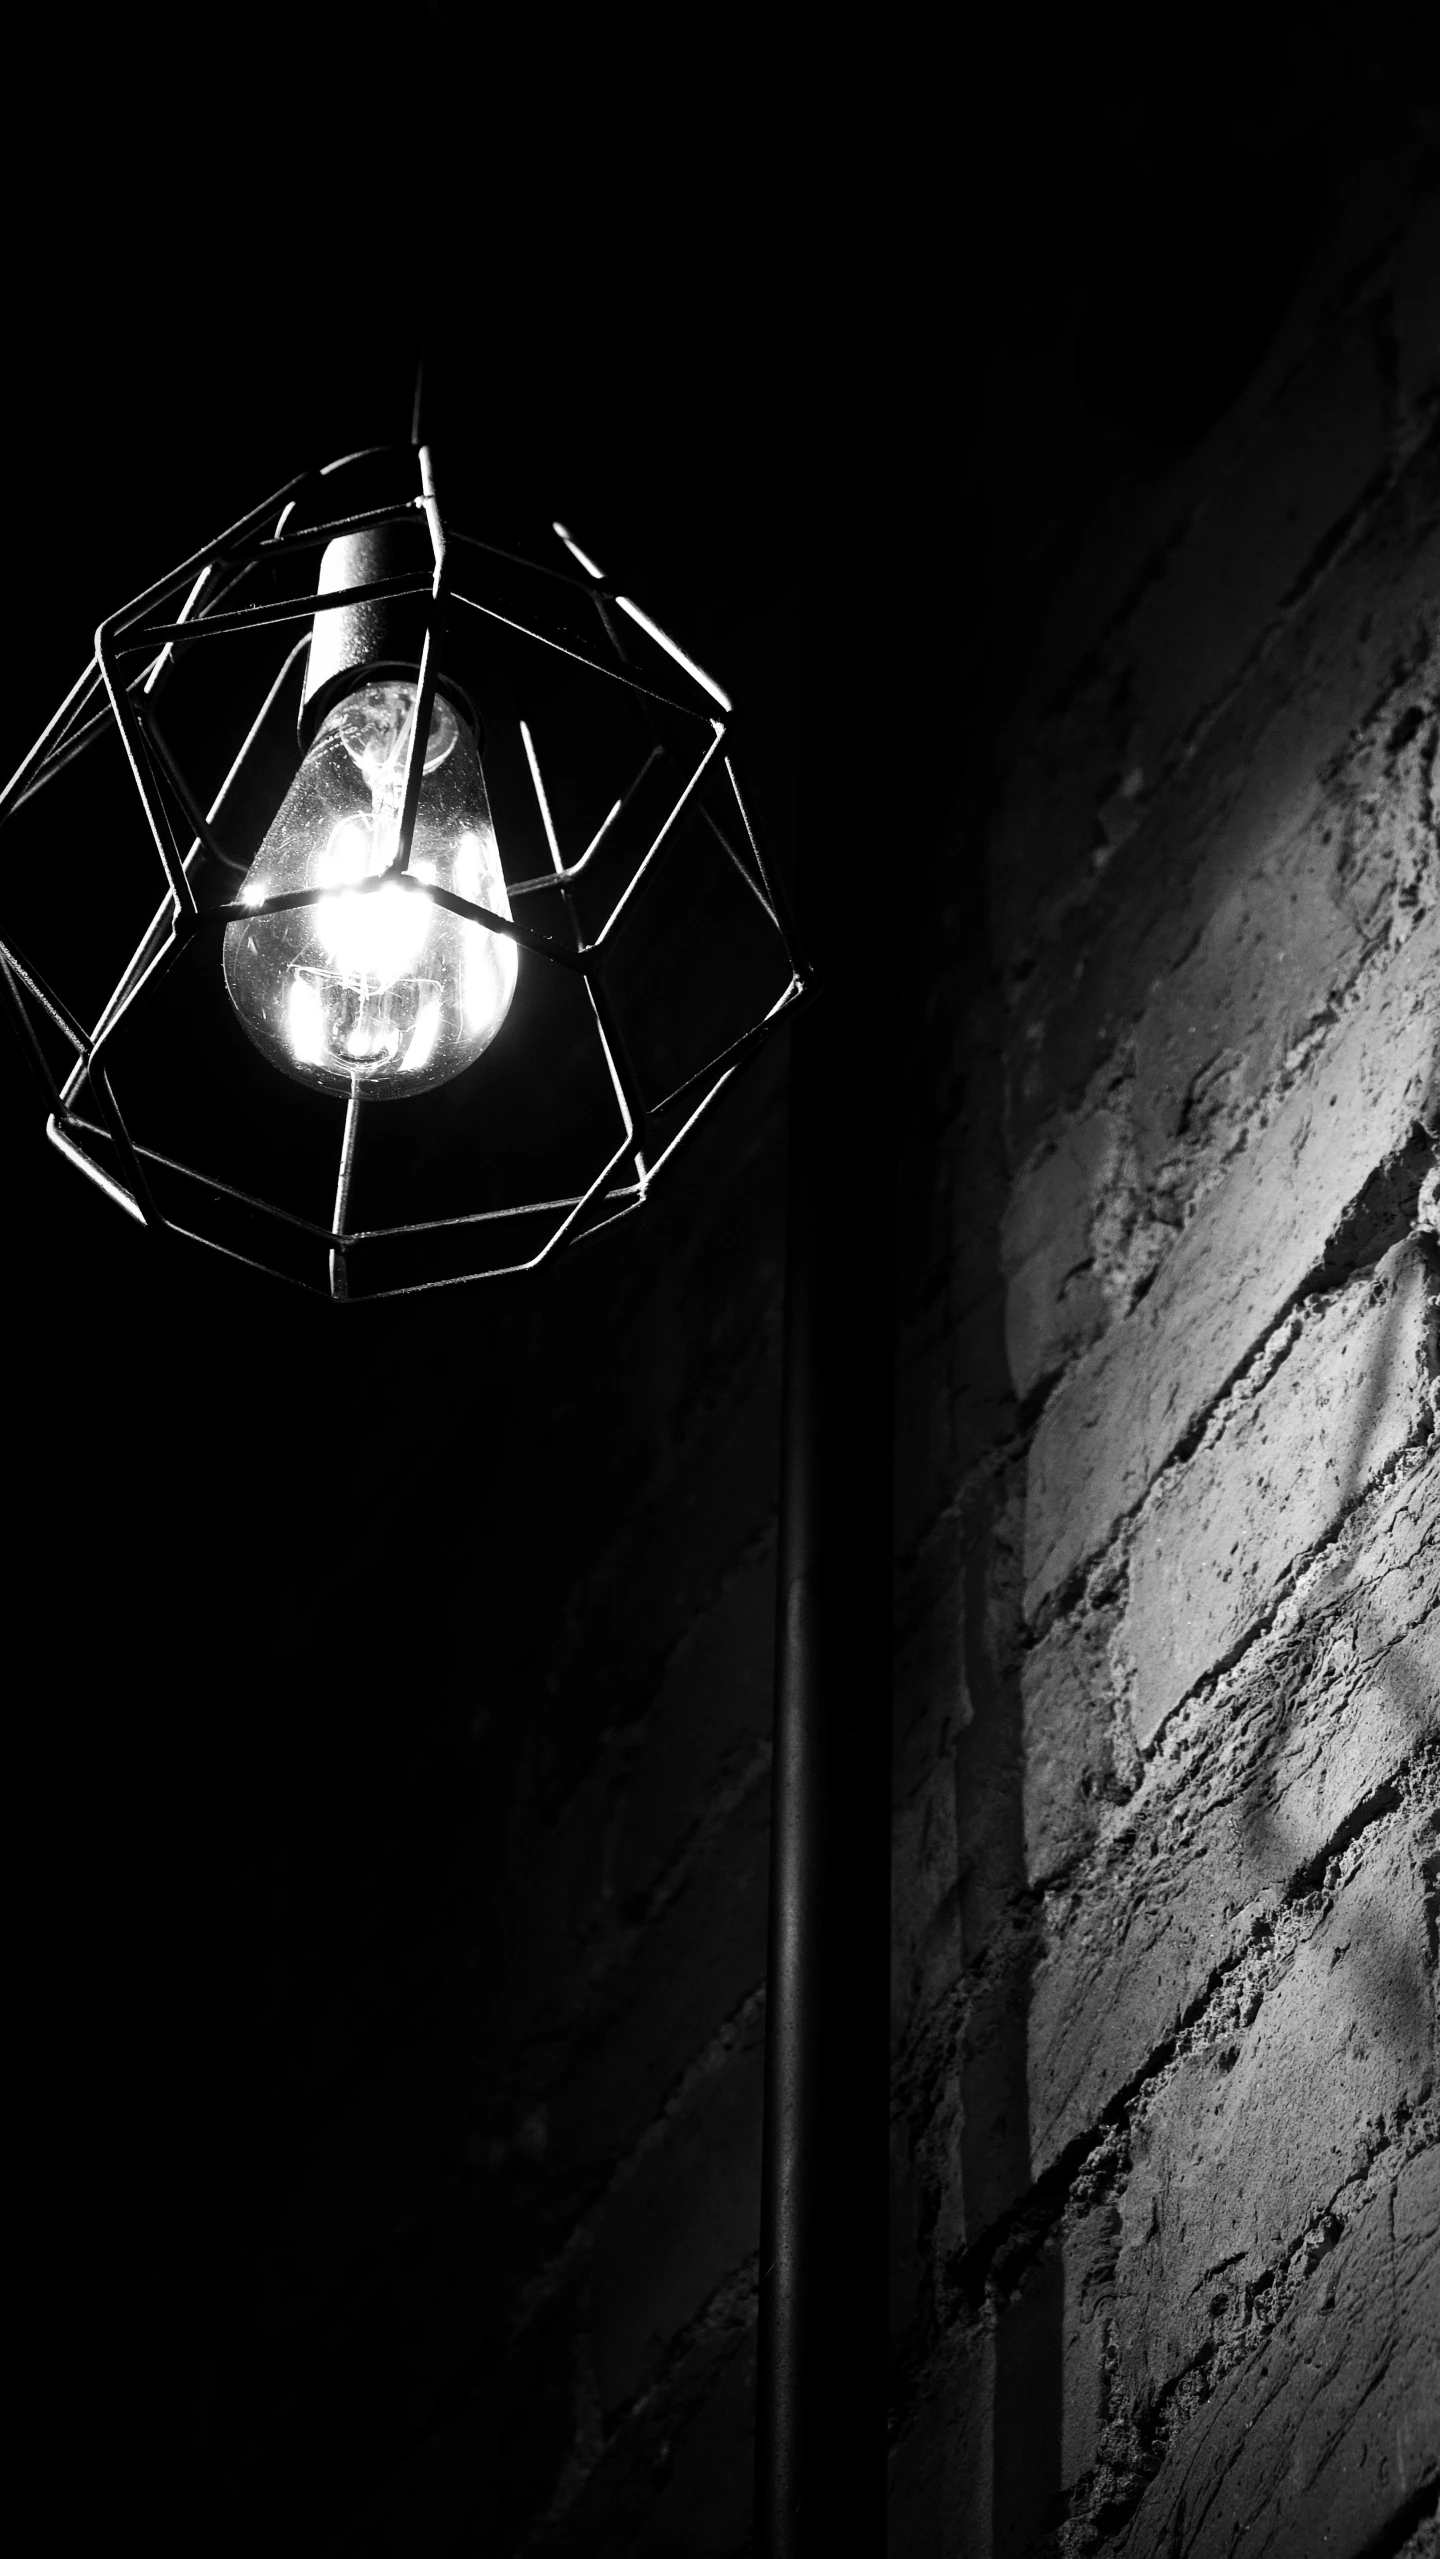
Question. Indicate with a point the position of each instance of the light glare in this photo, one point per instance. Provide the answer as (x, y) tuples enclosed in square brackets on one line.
[(372, 987)]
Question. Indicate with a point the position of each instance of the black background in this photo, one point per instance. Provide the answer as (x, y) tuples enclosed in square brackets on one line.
[(226, 242)]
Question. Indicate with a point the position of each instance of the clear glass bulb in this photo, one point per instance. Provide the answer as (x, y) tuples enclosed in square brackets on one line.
[(382, 993)]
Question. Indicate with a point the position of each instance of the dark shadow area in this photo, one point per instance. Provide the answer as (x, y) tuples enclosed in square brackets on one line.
[(1206, 214), (290, 1594)]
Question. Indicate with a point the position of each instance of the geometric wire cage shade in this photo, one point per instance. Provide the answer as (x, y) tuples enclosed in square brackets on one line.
[(655, 954)]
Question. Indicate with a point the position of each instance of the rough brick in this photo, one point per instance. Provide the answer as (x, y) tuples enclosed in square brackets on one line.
[(1252, 1243), (1089, 2256), (1259, 784), (1066, 1687), (1277, 950), (1215, 1544), (1315, 1720), (1330, 2431), (684, 2220), (1054, 1303), (1344, 2040)]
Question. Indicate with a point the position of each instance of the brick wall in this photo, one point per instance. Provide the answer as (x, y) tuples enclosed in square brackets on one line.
[(1167, 1817)]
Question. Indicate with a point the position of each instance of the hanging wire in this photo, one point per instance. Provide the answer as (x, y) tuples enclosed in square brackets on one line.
[(417, 405)]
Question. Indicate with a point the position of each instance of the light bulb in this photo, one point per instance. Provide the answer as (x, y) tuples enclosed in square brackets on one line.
[(380, 992)]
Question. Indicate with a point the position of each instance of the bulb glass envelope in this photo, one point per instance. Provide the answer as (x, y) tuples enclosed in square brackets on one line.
[(654, 951)]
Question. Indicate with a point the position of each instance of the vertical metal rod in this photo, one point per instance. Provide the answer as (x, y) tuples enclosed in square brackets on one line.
[(820, 2431), (339, 1279), (425, 681)]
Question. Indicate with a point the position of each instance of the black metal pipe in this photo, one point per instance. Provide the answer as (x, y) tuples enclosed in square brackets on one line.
[(820, 2436)]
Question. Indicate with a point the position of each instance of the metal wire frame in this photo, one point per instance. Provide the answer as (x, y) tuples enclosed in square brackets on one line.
[(115, 693)]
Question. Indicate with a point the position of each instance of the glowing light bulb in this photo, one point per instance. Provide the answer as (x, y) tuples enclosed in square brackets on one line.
[(375, 990)]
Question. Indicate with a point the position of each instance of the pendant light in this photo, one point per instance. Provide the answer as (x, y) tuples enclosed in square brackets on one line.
[(462, 923)]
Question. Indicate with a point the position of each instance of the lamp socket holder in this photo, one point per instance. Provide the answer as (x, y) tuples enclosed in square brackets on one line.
[(354, 644)]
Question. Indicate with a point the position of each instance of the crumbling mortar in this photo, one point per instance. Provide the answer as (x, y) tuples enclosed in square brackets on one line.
[(1136, 2438), (1427, 762), (1185, 1180), (1360, 1242), (1203, 1689), (1175, 1770), (1407, 667), (1229, 2000), (984, 2277), (1189, 1751), (1127, 1269), (1261, 1625), (1141, 2437)]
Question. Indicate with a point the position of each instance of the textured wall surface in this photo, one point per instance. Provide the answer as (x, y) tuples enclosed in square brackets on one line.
[(1167, 1823)]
